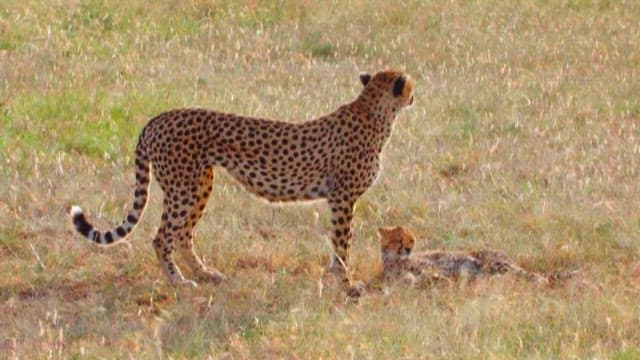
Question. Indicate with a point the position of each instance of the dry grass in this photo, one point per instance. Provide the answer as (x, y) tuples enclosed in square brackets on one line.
[(524, 137)]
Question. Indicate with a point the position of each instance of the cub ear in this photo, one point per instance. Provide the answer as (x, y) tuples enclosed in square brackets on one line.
[(365, 78)]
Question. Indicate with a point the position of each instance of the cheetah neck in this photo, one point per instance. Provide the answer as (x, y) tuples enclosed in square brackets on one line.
[(378, 117), (391, 259)]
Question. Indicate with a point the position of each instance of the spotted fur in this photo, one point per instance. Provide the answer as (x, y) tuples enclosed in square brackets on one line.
[(335, 157), (397, 245)]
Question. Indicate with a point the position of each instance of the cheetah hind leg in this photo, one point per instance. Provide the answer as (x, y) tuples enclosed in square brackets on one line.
[(200, 271), (164, 246)]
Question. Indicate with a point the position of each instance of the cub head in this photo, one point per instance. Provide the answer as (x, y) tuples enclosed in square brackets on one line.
[(392, 86), (396, 242)]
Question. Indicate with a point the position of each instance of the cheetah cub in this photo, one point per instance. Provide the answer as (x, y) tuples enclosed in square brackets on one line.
[(397, 245)]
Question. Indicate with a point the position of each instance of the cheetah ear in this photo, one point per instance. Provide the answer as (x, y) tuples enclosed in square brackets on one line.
[(365, 78)]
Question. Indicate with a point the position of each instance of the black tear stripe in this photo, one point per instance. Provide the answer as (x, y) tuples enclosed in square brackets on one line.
[(398, 86)]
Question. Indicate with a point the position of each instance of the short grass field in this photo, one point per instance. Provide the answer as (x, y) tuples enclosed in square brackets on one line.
[(524, 137)]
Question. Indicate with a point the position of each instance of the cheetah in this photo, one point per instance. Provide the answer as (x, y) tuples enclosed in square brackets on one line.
[(335, 158), (397, 243)]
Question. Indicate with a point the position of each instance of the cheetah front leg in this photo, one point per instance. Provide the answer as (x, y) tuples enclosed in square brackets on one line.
[(341, 216)]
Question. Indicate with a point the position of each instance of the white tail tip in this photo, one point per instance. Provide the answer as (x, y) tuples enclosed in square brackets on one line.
[(75, 210)]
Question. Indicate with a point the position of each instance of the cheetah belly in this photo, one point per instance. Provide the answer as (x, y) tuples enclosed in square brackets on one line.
[(281, 186)]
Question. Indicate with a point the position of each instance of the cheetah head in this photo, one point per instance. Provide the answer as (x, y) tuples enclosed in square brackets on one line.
[(396, 242), (391, 86)]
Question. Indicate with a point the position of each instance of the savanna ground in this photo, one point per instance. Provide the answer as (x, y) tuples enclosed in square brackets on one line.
[(523, 137)]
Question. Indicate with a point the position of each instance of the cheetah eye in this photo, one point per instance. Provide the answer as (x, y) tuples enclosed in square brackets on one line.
[(398, 86)]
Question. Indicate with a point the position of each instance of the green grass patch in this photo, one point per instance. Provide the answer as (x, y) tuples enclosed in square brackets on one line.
[(6, 44), (317, 47), (629, 109), (628, 354)]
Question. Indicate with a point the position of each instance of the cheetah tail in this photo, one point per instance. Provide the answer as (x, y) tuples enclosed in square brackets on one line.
[(139, 202)]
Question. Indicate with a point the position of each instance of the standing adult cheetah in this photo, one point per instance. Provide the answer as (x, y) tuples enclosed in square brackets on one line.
[(335, 157)]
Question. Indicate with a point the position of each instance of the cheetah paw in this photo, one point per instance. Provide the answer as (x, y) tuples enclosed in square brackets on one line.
[(211, 276), (356, 290)]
